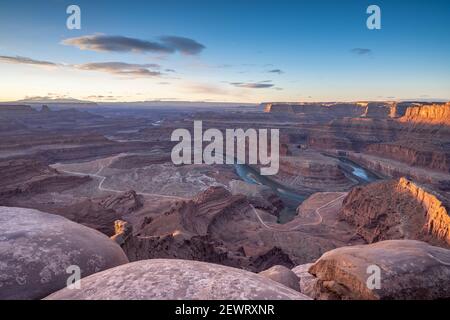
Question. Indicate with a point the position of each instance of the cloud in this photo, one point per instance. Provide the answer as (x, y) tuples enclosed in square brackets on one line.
[(253, 85), (361, 51), (50, 98), (122, 68), (102, 97), (277, 71), (101, 42), (25, 60), (204, 88), (224, 66), (165, 45), (183, 45), (116, 68)]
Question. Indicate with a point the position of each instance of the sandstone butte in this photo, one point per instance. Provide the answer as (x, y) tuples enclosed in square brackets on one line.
[(428, 114)]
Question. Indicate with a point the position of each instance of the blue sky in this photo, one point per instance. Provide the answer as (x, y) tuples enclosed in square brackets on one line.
[(308, 45)]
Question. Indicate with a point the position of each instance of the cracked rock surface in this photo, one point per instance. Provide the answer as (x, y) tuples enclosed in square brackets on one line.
[(177, 279)]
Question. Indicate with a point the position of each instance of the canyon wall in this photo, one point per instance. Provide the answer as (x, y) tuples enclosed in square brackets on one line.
[(428, 114), (437, 214), (378, 110), (317, 110), (413, 154), (397, 169), (397, 209), (312, 173)]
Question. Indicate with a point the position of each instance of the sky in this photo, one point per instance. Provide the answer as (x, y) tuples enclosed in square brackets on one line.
[(230, 51)]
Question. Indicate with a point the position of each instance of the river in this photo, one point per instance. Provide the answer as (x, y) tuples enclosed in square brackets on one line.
[(292, 198)]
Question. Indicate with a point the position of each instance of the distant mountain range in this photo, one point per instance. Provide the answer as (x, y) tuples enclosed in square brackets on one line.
[(70, 102), (47, 100)]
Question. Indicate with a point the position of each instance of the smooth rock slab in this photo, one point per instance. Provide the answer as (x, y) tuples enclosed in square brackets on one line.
[(409, 269), (36, 248), (162, 279)]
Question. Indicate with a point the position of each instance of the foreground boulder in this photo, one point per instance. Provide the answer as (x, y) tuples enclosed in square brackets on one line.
[(282, 275), (36, 249), (162, 279), (307, 280), (409, 270)]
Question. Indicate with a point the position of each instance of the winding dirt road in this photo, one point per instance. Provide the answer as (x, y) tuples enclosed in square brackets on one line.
[(103, 178), (280, 228)]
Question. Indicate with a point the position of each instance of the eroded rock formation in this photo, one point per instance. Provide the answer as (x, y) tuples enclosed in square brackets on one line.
[(24, 177), (428, 114), (397, 209), (415, 153), (207, 228), (378, 110), (311, 171), (100, 213), (261, 197), (316, 111)]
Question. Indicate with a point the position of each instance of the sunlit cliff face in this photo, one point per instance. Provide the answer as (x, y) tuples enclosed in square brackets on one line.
[(428, 114)]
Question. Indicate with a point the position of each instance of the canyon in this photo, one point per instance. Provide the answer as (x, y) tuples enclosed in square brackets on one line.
[(354, 179)]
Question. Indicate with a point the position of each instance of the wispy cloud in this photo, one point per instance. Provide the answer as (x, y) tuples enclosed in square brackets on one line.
[(205, 88), (122, 68), (277, 71), (361, 51), (253, 85), (25, 60), (116, 44), (102, 97), (116, 68), (164, 45)]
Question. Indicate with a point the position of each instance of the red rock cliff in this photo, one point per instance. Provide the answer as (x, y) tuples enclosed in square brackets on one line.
[(397, 209), (428, 114)]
